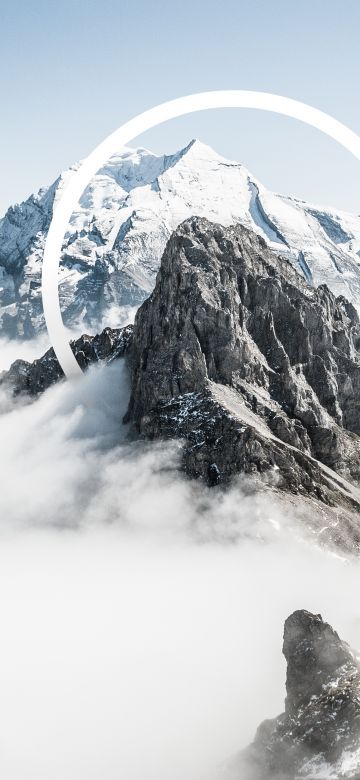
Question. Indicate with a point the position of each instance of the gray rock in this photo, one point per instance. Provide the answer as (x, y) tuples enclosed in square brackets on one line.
[(258, 373), (321, 723), (253, 370), (33, 378)]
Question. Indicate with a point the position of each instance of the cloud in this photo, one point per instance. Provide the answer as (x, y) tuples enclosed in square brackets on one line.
[(12, 349), (141, 613)]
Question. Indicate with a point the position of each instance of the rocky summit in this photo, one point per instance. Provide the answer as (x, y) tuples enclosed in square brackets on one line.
[(255, 370), (318, 735)]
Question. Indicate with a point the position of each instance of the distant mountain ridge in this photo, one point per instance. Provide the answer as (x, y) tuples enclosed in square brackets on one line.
[(126, 215)]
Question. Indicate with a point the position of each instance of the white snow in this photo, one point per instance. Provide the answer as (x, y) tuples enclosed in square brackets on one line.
[(346, 767), (137, 199)]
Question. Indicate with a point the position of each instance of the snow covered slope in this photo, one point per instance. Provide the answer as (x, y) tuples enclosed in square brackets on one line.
[(116, 238)]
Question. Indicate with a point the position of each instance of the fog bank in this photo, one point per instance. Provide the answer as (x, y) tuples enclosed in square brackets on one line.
[(141, 614)]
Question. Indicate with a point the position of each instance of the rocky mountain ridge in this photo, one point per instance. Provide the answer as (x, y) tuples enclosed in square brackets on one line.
[(31, 379), (257, 372), (254, 370)]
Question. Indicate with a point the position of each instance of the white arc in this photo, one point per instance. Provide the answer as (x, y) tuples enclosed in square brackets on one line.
[(123, 136)]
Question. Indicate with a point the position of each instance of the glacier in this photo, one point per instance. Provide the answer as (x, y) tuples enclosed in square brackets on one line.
[(116, 237)]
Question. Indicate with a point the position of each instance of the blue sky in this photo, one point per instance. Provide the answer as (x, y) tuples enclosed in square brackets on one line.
[(73, 71)]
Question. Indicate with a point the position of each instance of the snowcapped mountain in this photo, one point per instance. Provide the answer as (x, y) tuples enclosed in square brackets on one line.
[(112, 250)]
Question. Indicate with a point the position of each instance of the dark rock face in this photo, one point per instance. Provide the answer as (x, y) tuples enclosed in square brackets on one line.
[(320, 728), (34, 378), (257, 371)]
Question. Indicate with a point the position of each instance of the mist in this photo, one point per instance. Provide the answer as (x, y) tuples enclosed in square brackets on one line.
[(141, 613), (14, 349)]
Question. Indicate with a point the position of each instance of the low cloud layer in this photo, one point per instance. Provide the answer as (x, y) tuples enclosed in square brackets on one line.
[(141, 614)]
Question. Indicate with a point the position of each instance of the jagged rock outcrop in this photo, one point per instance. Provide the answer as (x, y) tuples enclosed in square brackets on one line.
[(318, 735), (258, 372), (34, 378)]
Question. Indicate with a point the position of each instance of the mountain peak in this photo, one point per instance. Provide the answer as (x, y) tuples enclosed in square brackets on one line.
[(318, 736), (254, 366), (126, 216), (198, 150)]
